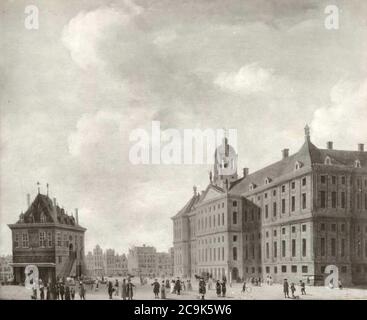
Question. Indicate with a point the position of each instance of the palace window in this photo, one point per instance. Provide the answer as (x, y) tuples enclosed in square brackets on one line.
[(304, 201), (283, 248), (327, 160), (323, 199), (304, 181), (235, 203), (274, 209), (304, 247), (323, 179), (275, 249), (49, 239), (234, 253), (333, 199), (293, 247), (234, 217), (25, 241), (293, 203), (42, 239), (283, 188)]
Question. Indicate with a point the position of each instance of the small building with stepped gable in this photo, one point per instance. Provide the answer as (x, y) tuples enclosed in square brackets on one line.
[(46, 236)]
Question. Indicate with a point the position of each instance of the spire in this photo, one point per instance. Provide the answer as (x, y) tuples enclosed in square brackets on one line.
[(307, 133), (38, 185), (47, 188)]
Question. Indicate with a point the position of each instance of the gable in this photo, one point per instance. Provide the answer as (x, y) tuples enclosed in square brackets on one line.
[(211, 193)]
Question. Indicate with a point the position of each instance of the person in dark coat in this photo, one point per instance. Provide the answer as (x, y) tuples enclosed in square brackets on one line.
[(42, 290), (62, 290), (130, 290), (218, 288), (202, 288), (67, 292), (110, 289), (57, 288), (123, 289), (286, 288), (48, 291), (167, 284), (178, 286), (156, 287), (81, 290), (303, 287), (224, 289)]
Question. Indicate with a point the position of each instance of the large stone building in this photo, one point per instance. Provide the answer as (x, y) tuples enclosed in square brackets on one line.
[(145, 261), (49, 238), (290, 219)]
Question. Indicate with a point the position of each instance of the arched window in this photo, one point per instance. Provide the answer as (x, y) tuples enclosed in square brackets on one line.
[(298, 165), (327, 161), (357, 163)]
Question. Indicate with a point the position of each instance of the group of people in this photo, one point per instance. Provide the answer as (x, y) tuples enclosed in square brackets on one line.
[(221, 288), (59, 290), (127, 289), (292, 287)]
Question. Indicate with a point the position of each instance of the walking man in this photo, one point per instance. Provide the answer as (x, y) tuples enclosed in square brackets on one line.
[(286, 288), (303, 287), (156, 287)]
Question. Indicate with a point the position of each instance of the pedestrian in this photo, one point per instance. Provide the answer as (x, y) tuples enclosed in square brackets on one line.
[(202, 288), (116, 287), (293, 289), (163, 291), (34, 291), (62, 290), (244, 286), (286, 288), (224, 289), (189, 286), (42, 290), (173, 286), (168, 286), (218, 288), (57, 288), (156, 287), (48, 291), (72, 292), (303, 287), (67, 292), (123, 289), (81, 290), (130, 290), (110, 289), (178, 286), (340, 285)]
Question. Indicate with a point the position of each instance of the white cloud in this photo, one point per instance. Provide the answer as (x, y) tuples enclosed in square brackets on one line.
[(83, 33), (249, 79), (345, 119)]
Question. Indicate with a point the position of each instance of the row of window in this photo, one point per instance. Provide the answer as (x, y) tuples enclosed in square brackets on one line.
[(294, 269), (283, 248), (45, 239), (213, 254), (268, 180), (283, 230)]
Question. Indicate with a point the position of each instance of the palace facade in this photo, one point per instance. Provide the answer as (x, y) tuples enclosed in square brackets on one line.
[(290, 219), (47, 237)]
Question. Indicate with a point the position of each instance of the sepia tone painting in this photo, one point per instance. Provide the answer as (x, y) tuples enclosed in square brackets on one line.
[(183, 150)]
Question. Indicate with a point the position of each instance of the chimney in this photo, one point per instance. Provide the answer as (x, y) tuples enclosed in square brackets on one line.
[(245, 172), (54, 212), (28, 200), (329, 145), (76, 216), (54, 202), (195, 190), (360, 147), (285, 153)]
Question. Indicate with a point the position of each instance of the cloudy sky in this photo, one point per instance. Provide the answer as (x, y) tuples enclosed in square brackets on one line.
[(72, 91)]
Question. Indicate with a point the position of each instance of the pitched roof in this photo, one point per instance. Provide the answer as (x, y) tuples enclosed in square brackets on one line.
[(42, 205), (308, 154)]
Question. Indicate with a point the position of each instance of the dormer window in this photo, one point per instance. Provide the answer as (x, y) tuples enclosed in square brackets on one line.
[(327, 161), (252, 186), (43, 218), (357, 164), (298, 165), (267, 180)]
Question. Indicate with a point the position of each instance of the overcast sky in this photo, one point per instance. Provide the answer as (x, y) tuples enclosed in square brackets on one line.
[(72, 91)]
